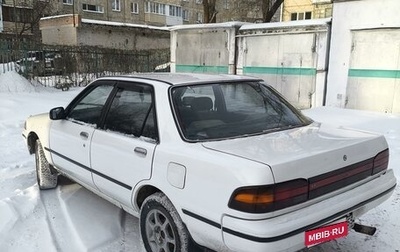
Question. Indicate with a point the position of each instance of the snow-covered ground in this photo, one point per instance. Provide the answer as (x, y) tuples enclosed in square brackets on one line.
[(70, 218)]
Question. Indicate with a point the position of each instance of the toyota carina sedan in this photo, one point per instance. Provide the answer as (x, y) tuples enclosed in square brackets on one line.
[(220, 162)]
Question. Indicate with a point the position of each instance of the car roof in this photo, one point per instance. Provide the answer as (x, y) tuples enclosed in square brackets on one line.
[(184, 78)]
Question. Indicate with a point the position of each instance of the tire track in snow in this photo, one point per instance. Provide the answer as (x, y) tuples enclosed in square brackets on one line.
[(62, 234)]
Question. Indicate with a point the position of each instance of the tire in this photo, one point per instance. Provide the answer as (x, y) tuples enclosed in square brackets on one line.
[(161, 227), (45, 174)]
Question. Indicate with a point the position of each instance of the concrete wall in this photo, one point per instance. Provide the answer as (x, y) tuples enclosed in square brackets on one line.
[(365, 75), (64, 30), (122, 37), (61, 30)]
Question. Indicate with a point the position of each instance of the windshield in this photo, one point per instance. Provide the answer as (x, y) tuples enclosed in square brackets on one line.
[(229, 110)]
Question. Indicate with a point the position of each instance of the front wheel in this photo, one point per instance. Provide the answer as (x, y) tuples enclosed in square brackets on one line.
[(161, 227), (45, 173)]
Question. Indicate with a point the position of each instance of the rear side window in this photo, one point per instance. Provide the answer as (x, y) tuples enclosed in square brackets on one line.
[(132, 113)]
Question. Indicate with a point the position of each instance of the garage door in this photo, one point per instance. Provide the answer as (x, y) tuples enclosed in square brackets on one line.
[(374, 74), (203, 51), (285, 61)]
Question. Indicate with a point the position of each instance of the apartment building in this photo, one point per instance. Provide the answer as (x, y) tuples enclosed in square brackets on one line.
[(158, 12), (306, 9), (20, 18), (16, 18)]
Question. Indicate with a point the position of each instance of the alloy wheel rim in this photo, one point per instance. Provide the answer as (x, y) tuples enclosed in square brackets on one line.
[(159, 232)]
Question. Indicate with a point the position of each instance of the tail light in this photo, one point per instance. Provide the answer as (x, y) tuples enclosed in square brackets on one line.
[(263, 199), (268, 198), (381, 162)]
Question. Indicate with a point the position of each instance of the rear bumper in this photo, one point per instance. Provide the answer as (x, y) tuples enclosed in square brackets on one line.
[(287, 232)]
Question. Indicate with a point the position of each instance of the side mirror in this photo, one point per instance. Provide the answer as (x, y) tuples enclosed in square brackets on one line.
[(57, 113)]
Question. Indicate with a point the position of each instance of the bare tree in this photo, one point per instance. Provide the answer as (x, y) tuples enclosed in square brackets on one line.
[(31, 22), (269, 8), (210, 12)]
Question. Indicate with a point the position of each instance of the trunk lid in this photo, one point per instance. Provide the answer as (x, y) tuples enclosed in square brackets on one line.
[(305, 152)]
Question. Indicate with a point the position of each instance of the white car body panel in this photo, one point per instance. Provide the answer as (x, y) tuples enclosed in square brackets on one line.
[(38, 125), (199, 178), (304, 152), (344, 203), (115, 156), (68, 143)]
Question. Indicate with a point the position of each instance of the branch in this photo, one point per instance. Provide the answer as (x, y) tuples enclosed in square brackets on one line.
[(271, 12)]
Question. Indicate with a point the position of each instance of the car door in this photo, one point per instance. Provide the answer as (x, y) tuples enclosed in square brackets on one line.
[(70, 137), (122, 153)]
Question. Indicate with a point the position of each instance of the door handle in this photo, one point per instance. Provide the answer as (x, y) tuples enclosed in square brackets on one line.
[(141, 151), (84, 135)]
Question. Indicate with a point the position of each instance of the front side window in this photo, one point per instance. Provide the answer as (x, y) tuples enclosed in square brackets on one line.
[(89, 108), (69, 2), (218, 111), (132, 113)]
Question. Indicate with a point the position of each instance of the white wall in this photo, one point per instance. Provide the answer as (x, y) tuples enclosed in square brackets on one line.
[(352, 16)]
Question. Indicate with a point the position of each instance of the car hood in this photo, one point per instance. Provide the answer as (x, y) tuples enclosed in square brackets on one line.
[(304, 152)]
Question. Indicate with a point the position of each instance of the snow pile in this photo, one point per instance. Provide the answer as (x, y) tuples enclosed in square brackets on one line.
[(12, 82)]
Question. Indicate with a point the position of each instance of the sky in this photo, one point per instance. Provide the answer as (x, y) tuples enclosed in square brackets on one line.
[(70, 218)]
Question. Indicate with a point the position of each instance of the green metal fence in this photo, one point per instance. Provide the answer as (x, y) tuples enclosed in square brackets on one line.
[(75, 66)]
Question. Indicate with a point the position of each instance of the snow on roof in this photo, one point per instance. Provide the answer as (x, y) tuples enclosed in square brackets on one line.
[(111, 23), (55, 17), (289, 24), (185, 78), (207, 26)]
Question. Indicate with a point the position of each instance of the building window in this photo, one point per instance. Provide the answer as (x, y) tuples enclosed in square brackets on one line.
[(116, 5), (328, 12), (185, 15), (300, 15), (92, 8), (226, 4), (199, 18), (135, 8), (70, 2), (175, 11), (17, 14), (156, 8)]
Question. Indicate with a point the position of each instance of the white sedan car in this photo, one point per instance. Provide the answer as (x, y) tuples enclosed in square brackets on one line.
[(215, 162)]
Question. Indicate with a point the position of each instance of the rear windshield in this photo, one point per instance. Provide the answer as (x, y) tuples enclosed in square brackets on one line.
[(230, 110)]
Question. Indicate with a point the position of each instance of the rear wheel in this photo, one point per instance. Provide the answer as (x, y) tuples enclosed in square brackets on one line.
[(45, 173), (161, 227)]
